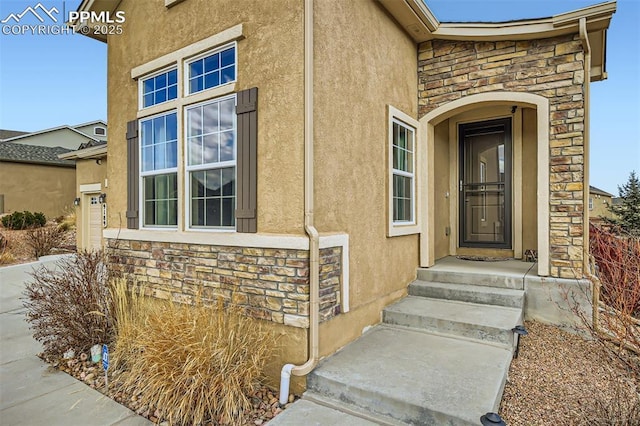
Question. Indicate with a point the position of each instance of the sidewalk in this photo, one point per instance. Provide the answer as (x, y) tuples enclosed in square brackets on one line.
[(31, 392)]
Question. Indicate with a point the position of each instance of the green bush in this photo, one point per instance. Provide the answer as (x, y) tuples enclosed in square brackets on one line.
[(39, 219), (24, 220)]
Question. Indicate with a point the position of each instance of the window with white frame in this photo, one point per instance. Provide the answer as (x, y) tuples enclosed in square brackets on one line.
[(211, 163), (403, 206), (204, 151), (590, 203), (212, 69), (159, 88), (159, 170), (403, 143)]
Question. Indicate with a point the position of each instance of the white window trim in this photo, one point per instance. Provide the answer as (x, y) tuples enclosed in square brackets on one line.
[(161, 64), (95, 131), (395, 229), (188, 169), (188, 61), (142, 175), (153, 75), (224, 37)]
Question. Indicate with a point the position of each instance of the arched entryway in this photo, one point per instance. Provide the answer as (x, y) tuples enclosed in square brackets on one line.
[(524, 118)]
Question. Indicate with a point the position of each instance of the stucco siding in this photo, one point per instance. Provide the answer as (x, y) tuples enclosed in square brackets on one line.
[(37, 188), (443, 216), (529, 180), (358, 72), (270, 57)]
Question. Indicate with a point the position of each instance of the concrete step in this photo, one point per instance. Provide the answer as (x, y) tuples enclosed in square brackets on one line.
[(474, 276), (308, 412), (468, 320), (414, 377), (468, 293)]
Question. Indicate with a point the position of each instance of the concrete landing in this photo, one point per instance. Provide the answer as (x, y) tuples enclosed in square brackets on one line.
[(501, 274), (415, 377)]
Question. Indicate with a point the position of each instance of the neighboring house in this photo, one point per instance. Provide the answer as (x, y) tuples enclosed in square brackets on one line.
[(255, 156), (599, 202), (34, 178), (69, 137), (91, 182)]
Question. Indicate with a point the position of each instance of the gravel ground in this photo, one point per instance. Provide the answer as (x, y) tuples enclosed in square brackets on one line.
[(561, 378)]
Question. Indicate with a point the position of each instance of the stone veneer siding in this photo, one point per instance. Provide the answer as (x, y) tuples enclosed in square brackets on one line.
[(553, 68), (271, 284)]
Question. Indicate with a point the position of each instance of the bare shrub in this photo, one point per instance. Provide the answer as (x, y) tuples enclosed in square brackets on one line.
[(618, 269), (195, 363), (6, 256), (621, 409), (69, 306), (43, 240)]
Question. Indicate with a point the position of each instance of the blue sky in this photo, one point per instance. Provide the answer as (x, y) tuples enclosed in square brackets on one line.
[(49, 80)]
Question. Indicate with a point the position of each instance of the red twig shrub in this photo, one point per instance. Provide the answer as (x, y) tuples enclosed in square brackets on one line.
[(618, 259), (70, 306)]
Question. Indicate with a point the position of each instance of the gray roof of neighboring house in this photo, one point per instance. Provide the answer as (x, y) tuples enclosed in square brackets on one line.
[(21, 153), (594, 190), (7, 134)]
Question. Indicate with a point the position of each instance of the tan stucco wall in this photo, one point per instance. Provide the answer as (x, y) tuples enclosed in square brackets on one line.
[(358, 72), (37, 188), (270, 57), (600, 206), (87, 172), (443, 216), (529, 180)]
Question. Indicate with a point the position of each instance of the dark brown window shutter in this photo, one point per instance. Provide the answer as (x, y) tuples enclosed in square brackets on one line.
[(133, 177), (247, 161)]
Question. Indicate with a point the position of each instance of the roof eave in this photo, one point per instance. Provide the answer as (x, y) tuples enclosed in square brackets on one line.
[(94, 152), (93, 6), (36, 162), (420, 23)]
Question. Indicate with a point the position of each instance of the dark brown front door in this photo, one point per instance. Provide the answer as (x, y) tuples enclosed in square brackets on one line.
[(485, 184)]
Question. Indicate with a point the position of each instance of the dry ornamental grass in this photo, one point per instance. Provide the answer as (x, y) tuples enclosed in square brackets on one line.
[(196, 364)]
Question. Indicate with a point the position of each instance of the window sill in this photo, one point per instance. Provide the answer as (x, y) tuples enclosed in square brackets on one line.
[(398, 229), (170, 3)]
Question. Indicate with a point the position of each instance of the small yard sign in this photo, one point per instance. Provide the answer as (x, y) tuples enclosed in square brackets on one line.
[(105, 357), (105, 364)]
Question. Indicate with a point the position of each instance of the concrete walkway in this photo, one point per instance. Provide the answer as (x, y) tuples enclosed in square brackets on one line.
[(31, 392)]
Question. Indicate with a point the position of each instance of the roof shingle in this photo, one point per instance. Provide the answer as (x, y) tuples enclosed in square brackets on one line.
[(21, 153)]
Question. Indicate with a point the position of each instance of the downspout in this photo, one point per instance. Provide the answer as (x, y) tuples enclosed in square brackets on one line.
[(314, 238), (584, 37)]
